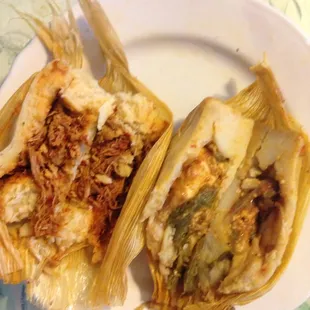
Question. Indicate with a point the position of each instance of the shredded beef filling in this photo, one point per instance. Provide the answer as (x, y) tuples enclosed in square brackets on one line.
[(105, 156), (113, 164), (69, 166), (54, 154)]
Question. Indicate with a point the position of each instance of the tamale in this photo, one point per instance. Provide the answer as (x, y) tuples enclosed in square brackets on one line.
[(220, 232), (71, 170)]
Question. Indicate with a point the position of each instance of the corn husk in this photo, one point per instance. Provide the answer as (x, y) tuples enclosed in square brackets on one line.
[(65, 286), (62, 38), (262, 101), (10, 257), (10, 111), (127, 240)]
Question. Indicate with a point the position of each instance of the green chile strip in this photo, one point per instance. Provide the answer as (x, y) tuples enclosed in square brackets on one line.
[(180, 219)]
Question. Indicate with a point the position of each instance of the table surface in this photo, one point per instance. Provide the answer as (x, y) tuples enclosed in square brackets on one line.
[(14, 35)]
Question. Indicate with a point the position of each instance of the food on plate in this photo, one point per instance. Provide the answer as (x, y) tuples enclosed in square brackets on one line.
[(86, 179), (226, 210), (77, 154)]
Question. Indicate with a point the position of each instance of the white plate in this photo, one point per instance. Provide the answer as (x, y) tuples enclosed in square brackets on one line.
[(185, 50)]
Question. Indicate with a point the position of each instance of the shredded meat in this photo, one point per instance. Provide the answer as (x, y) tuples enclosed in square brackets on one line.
[(54, 153), (106, 152), (114, 158), (105, 213), (258, 211), (80, 188), (99, 181)]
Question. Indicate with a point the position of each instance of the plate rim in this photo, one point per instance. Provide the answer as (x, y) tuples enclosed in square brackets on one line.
[(299, 31)]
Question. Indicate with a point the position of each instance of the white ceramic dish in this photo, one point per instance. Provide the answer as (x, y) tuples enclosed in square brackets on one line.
[(185, 50)]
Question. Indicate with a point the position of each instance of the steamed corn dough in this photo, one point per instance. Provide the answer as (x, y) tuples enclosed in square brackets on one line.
[(221, 213), (68, 167)]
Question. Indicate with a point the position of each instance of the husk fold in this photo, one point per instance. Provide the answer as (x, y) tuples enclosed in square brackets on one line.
[(263, 102), (62, 38), (128, 239), (10, 111)]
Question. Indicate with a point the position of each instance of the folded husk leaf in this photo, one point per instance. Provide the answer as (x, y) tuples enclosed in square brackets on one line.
[(57, 287), (70, 282), (10, 111), (61, 38), (127, 240), (263, 102), (10, 258)]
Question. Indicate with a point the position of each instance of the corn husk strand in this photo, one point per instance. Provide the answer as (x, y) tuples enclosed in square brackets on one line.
[(61, 38), (10, 257), (10, 111), (127, 239), (262, 100), (105, 33)]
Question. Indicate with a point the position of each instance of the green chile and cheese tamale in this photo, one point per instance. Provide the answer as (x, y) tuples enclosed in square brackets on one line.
[(225, 213)]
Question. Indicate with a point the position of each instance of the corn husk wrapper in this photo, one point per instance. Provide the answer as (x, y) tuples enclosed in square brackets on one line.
[(262, 101), (10, 111), (127, 240), (62, 38), (67, 285)]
